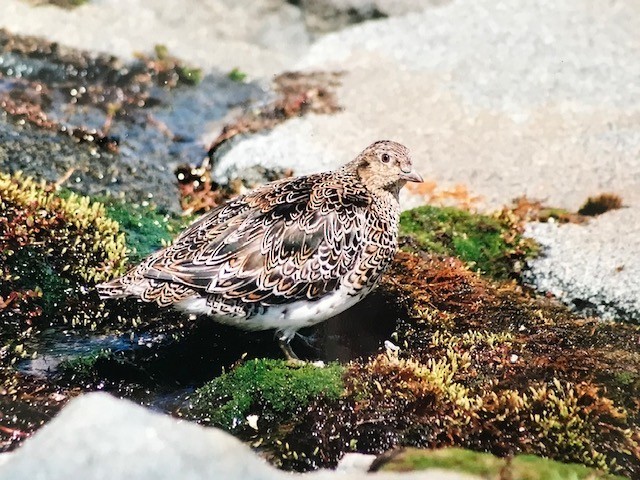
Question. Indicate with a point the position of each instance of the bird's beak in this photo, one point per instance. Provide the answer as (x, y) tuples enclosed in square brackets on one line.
[(411, 176)]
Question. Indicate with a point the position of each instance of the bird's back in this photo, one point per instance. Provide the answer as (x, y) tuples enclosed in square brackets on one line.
[(291, 240)]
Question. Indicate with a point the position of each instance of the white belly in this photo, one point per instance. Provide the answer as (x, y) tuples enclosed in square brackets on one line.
[(287, 318)]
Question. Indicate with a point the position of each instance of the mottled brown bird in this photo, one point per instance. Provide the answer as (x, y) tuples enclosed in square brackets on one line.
[(286, 255)]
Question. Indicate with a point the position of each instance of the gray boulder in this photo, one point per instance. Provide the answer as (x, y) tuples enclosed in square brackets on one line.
[(98, 437)]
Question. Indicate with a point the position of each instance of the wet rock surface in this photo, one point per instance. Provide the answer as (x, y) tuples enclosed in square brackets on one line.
[(102, 126)]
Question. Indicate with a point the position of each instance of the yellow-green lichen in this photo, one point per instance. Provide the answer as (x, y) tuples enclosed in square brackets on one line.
[(51, 248), (74, 233)]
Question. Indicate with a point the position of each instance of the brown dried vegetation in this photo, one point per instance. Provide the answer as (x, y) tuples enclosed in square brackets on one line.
[(528, 210), (297, 93), (458, 196), (482, 366), (199, 193), (600, 204)]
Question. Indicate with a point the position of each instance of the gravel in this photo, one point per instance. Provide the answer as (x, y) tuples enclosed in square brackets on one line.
[(588, 267)]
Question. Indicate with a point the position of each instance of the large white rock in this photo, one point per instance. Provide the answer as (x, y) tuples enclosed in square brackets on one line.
[(594, 267), (98, 437), (261, 37), (509, 98)]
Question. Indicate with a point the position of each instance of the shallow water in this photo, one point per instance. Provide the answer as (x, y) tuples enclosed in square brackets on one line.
[(159, 369)]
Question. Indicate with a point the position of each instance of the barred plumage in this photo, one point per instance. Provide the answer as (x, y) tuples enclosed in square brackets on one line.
[(288, 254)]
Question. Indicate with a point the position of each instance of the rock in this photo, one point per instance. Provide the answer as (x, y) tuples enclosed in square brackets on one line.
[(322, 16), (592, 267), (507, 101), (98, 437), (355, 462), (259, 37), (151, 141)]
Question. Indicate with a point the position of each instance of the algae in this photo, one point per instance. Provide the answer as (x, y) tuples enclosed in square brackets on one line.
[(237, 75), (146, 228), (84, 369)]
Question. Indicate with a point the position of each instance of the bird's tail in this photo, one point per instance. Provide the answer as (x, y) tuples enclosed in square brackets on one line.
[(134, 284), (115, 288)]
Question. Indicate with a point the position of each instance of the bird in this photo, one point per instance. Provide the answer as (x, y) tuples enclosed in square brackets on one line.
[(286, 255)]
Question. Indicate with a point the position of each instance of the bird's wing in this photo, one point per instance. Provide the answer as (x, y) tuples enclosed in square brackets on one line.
[(293, 240)]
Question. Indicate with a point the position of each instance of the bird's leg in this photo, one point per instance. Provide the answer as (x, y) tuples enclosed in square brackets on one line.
[(292, 358)]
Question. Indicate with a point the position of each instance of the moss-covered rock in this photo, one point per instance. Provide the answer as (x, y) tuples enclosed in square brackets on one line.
[(490, 244), (487, 466), (84, 369), (480, 365), (51, 248), (270, 389)]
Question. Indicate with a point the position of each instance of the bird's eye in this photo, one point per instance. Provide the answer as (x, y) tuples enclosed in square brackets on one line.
[(385, 158)]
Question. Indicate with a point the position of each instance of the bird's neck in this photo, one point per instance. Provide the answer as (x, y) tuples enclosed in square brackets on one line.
[(376, 186)]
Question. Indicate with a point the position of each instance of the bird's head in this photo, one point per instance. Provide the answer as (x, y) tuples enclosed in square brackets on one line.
[(385, 165)]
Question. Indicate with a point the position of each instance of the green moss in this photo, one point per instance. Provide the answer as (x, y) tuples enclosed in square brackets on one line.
[(146, 229), (626, 379), (189, 75), (530, 467), (483, 242), (237, 75), (83, 369), (32, 271), (67, 3), (269, 388), (166, 65), (457, 459), (522, 467), (52, 246)]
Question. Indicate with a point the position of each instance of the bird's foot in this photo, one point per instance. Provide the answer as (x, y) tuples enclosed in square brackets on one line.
[(292, 358), (296, 362)]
